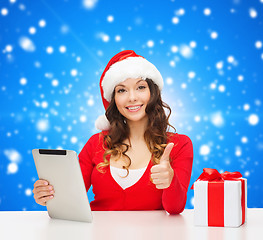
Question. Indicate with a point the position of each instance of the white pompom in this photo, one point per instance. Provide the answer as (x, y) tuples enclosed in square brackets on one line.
[(102, 123)]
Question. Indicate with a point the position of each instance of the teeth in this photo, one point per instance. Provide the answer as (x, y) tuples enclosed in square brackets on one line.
[(133, 108)]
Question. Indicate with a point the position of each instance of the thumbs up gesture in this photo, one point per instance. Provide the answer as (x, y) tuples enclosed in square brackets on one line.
[(162, 173)]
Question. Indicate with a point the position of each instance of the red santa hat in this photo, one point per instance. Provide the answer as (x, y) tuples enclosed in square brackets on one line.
[(124, 65)]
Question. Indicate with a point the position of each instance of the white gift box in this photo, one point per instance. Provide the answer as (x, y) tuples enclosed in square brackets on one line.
[(220, 203)]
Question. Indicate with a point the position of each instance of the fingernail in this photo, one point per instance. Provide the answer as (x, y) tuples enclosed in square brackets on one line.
[(51, 191), (51, 196), (50, 188), (45, 183)]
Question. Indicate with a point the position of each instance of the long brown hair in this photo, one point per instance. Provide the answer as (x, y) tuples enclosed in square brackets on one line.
[(155, 134)]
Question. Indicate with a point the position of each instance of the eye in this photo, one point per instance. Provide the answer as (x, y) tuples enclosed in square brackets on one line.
[(141, 87), (121, 90)]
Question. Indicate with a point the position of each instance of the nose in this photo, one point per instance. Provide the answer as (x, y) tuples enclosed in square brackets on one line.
[(132, 96)]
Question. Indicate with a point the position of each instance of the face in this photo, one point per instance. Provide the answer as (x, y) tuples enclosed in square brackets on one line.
[(131, 98)]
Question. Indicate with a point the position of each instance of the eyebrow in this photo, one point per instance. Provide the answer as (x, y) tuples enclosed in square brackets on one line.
[(121, 85)]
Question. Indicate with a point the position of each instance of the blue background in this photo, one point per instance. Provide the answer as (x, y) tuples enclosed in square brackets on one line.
[(211, 65)]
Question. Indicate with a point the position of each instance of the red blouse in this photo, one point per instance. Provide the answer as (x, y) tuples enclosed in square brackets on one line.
[(143, 195)]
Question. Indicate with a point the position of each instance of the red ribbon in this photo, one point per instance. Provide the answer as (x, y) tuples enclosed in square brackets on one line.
[(216, 194), (210, 175)]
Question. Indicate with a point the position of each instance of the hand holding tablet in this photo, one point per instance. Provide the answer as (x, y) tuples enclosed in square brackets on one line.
[(43, 192), (65, 195)]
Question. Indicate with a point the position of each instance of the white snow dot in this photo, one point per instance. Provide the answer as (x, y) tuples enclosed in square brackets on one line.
[(23, 81), (191, 74), (193, 44), (221, 88), (89, 4), (258, 44), (117, 38), (183, 85), (22, 7), (175, 20), (55, 83), (42, 125), (49, 50), (172, 63), (244, 140), (62, 49), (253, 13), (64, 29), (12, 1), (150, 43), (83, 118), (159, 27), (37, 64), (73, 140), (213, 86), (12, 168), (197, 118), (217, 119), (238, 151), (253, 119), (42, 23), (74, 72), (207, 11), (240, 78), (186, 51), (169, 81), (44, 104), (9, 48), (219, 65), (180, 12), (174, 49), (26, 44), (257, 102), (12, 155), (104, 37), (28, 192), (4, 11), (32, 30), (230, 59), (214, 35), (246, 107), (110, 18), (90, 102), (247, 173), (204, 150)]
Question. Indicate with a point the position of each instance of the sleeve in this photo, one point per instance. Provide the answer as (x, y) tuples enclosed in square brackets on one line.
[(174, 197), (85, 161)]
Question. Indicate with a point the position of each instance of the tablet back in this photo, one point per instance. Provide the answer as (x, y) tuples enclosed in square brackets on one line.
[(61, 169)]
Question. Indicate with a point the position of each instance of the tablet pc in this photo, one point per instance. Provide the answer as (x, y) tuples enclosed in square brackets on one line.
[(62, 170)]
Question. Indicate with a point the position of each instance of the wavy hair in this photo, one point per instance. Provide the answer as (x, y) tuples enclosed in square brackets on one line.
[(155, 134)]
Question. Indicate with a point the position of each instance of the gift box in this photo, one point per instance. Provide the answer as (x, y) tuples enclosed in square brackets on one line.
[(220, 199)]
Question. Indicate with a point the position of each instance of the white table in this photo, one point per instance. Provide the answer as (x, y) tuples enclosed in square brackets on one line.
[(124, 225)]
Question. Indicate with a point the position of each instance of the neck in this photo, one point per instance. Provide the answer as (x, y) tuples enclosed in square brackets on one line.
[(137, 129)]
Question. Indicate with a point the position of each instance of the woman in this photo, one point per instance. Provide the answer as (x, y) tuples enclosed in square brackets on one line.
[(134, 163)]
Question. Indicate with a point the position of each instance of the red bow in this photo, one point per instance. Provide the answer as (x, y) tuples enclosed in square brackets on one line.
[(210, 175)]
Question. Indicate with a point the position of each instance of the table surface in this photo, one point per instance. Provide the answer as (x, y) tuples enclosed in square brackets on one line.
[(124, 225)]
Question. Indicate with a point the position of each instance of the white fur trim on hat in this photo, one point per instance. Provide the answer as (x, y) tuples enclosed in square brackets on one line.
[(131, 67), (102, 123)]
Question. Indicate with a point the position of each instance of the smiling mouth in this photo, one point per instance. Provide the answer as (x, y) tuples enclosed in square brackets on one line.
[(134, 109)]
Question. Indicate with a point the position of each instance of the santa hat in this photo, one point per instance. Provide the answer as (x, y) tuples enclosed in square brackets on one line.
[(124, 65)]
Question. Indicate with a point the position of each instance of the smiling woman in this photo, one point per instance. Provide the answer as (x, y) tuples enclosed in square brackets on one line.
[(131, 99), (134, 139)]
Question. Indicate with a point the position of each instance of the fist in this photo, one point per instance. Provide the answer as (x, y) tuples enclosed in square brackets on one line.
[(43, 192), (162, 174)]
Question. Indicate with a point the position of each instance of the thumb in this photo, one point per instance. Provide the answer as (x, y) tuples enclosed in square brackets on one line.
[(166, 153)]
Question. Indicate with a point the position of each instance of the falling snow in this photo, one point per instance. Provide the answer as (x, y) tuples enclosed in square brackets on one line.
[(52, 60)]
